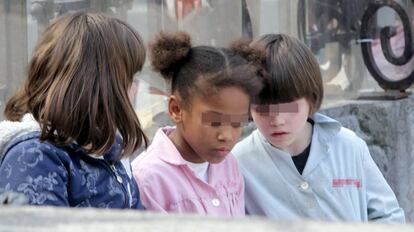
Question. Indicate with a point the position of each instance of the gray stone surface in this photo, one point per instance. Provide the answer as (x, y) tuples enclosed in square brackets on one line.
[(64, 219), (388, 129)]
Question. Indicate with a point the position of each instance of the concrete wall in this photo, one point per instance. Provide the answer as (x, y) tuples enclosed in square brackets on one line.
[(62, 219)]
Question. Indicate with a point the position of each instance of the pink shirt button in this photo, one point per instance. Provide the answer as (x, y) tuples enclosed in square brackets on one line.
[(215, 202)]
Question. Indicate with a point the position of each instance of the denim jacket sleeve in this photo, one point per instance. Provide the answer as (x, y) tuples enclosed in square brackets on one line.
[(381, 201), (35, 170)]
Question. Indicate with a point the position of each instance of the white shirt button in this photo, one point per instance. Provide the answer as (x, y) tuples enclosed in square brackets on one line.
[(215, 202), (304, 185)]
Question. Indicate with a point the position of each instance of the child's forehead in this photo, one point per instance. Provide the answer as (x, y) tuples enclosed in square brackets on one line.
[(210, 95), (291, 107), (222, 117), (277, 107), (232, 103), (214, 114)]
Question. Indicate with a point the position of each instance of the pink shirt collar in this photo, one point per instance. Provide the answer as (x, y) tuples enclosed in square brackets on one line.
[(163, 142)]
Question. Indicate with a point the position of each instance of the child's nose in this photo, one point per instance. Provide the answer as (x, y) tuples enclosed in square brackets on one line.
[(277, 119), (225, 134)]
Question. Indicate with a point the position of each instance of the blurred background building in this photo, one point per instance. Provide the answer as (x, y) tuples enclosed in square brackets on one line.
[(330, 27)]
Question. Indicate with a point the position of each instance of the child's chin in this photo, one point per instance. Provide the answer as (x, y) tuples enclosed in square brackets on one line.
[(216, 160), (276, 144)]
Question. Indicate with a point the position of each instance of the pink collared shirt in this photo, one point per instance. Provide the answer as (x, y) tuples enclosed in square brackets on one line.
[(168, 184)]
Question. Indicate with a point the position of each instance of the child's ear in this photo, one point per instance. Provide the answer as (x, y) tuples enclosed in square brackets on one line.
[(175, 109)]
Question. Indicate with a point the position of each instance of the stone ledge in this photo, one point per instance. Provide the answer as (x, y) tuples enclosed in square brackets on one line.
[(30, 218)]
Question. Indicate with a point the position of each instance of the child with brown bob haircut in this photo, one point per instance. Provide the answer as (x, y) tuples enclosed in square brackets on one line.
[(72, 126), (189, 168), (302, 164)]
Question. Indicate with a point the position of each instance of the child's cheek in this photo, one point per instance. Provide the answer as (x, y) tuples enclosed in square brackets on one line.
[(132, 91)]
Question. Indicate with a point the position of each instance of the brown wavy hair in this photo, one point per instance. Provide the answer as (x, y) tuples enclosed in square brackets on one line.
[(78, 81)]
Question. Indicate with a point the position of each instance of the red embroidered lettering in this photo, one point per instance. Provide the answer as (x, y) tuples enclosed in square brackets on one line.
[(339, 183)]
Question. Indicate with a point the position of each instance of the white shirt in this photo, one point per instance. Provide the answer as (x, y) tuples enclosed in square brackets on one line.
[(200, 170)]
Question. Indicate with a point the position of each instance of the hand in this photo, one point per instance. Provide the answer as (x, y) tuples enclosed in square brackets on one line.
[(13, 198)]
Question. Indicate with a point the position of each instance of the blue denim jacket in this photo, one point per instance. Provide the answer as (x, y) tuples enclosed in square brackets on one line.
[(67, 176)]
